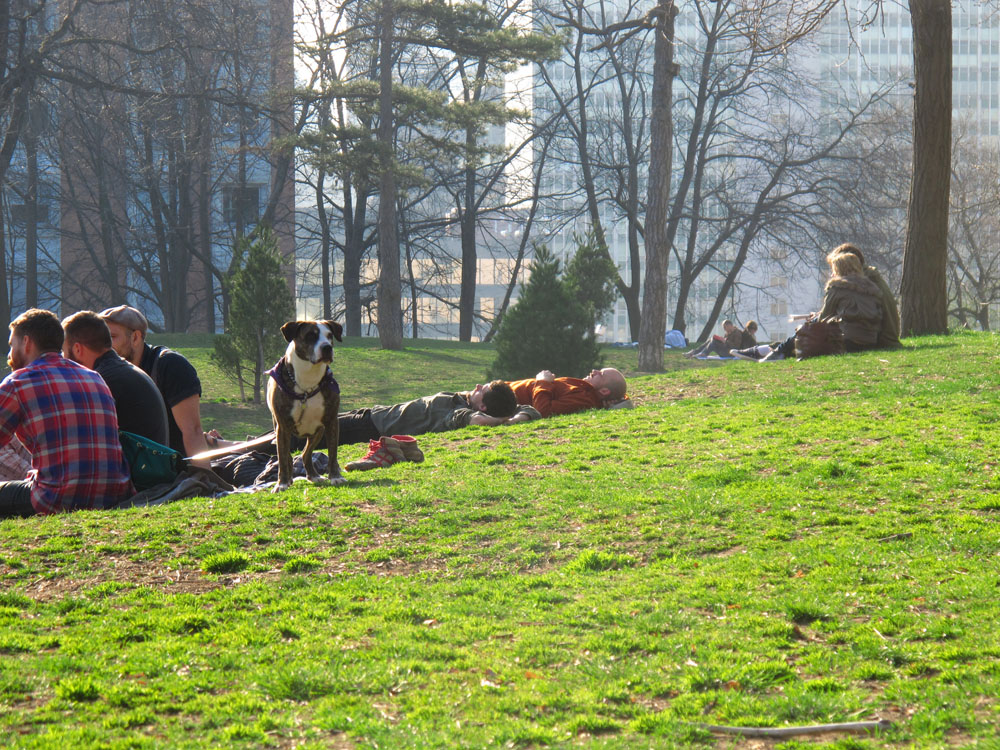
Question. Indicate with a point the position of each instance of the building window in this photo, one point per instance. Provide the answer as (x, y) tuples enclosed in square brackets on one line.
[(241, 204), (19, 214)]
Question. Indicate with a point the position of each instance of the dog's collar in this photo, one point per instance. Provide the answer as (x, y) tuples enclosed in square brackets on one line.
[(280, 373)]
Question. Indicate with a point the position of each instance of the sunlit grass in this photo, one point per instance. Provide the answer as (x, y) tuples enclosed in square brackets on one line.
[(755, 544)]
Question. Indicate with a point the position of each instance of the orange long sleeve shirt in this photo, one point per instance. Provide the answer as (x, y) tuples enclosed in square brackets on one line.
[(560, 396)]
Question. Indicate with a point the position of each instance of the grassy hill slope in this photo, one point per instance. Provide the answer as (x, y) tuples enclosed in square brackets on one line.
[(756, 544)]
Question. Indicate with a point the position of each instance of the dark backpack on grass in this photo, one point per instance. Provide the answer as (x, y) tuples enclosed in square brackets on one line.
[(818, 337), (149, 462)]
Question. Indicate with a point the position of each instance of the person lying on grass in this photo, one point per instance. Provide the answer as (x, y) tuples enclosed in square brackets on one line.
[(389, 430), (550, 395)]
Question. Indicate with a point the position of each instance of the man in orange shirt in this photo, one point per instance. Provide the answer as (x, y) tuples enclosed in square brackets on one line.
[(551, 395)]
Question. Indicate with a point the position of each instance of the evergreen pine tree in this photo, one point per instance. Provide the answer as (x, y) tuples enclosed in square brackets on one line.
[(548, 328), (590, 277), (260, 302)]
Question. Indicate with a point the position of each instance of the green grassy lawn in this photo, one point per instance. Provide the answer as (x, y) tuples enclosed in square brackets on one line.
[(755, 544)]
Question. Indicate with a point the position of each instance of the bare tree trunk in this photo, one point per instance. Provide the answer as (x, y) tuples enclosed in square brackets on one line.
[(355, 222), (324, 241), (390, 323), (467, 291), (653, 325), (924, 283), (31, 218), (204, 199), (5, 302)]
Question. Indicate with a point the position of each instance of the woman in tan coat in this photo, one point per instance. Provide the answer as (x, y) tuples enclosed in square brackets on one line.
[(854, 300)]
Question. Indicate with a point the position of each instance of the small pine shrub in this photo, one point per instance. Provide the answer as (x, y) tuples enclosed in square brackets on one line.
[(548, 328)]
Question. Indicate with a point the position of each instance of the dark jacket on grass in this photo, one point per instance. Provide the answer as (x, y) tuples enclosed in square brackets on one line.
[(857, 302)]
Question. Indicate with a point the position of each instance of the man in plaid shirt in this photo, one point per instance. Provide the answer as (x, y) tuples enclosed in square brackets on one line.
[(65, 416)]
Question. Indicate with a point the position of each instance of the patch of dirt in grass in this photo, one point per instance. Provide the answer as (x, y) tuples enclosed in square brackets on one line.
[(729, 552), (182, 581), (338, 741)]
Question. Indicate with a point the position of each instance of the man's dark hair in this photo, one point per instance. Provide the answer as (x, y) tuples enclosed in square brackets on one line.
[(847, 247), (88, 328), (500, 400), (42, 327)]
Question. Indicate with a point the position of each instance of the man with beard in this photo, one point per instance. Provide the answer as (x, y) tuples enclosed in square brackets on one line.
[(138, 401), (64, 415), (175, 377)]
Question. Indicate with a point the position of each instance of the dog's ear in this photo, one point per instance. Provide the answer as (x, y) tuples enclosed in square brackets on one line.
[(291, 329), (336, 329)]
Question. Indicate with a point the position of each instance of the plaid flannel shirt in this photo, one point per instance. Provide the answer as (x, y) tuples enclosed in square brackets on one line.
[(65, 416), (15, 461)]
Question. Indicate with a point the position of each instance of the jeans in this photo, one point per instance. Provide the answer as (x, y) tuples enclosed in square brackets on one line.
[(15, 500)]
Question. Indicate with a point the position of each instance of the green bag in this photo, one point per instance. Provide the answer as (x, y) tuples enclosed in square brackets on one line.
[(149, 462)]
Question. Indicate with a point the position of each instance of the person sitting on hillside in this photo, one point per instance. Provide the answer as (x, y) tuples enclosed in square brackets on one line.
[(850, 298), (888, 336), (64, 415), (172, 373), (138, 401), (748, 336), (551, 395), (719, 345)]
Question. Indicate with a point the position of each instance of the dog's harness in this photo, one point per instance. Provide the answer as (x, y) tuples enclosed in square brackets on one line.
[(284, 381)]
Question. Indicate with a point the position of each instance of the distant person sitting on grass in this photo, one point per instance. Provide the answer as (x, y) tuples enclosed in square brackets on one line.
[(888, 335), (64, 415), (719, 345), (748, 336), (551, 395), (849, 298)]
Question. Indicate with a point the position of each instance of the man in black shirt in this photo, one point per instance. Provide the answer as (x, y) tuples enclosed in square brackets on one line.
[(138, 402), (175, 377)]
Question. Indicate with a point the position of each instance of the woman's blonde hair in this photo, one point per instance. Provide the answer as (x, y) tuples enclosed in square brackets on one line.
[(844, 264)]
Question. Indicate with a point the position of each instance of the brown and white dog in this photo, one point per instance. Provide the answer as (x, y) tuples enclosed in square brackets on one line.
[(304, 398)]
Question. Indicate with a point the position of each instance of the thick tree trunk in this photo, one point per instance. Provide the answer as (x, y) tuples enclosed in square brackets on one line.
[(653, 325), (324, 242), (31, 220), (354, 250), (390, 321), (467, 292), (924, 283)]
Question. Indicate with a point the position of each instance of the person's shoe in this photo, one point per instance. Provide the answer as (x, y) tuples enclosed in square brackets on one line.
[(408, 445), (382, 452), (774, 356)]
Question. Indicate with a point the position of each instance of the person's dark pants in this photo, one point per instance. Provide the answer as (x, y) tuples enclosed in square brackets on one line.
[(712, 347), (787, 347), (15, 500), (355, 427)]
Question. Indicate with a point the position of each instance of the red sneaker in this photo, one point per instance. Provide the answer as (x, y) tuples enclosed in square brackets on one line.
[(382, 452)]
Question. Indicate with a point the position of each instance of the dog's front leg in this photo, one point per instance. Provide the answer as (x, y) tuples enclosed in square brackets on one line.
[(307, 458), (283, 440), (332, 441)]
